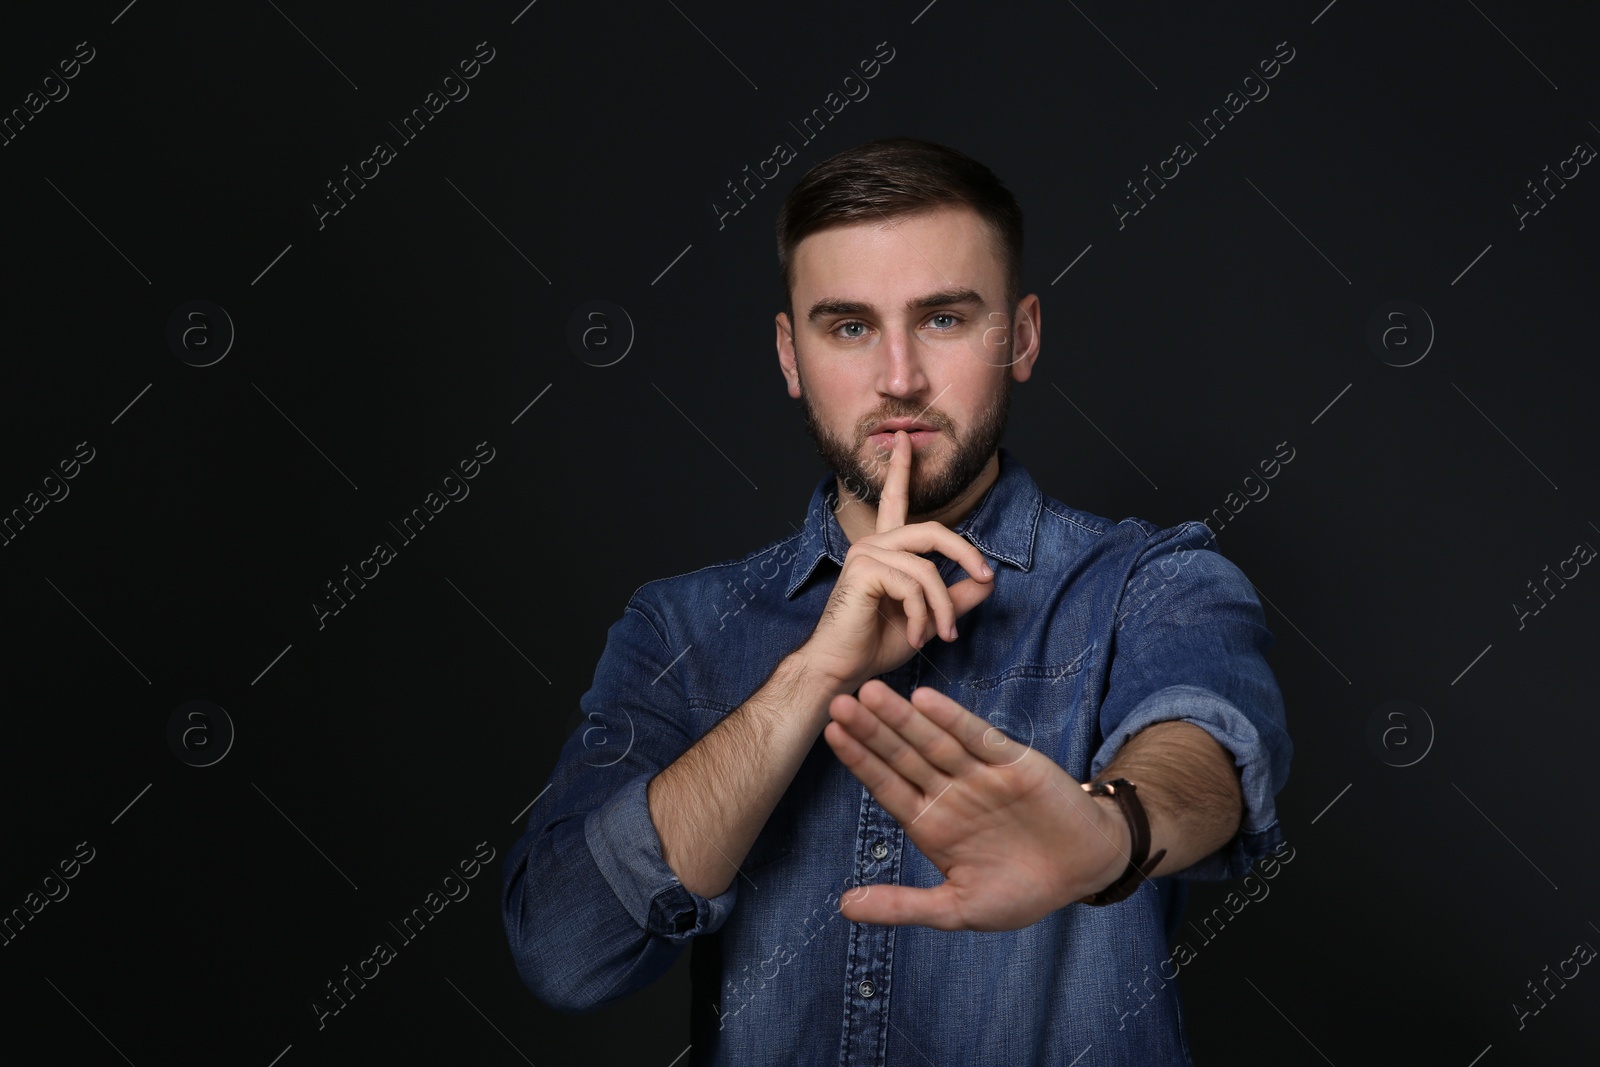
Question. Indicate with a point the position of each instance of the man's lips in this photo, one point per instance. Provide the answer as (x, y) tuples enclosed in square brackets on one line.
[(889, 426), (885, 439)]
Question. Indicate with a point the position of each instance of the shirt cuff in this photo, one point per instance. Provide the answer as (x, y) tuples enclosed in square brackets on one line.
[(1259, 832), (627, 849)]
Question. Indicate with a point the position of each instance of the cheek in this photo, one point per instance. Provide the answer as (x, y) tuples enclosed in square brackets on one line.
[(994, 337), (974, 358), (846, 411), (979, 388)]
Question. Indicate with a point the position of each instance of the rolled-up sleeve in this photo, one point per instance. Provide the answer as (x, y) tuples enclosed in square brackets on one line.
[(1191, 644), (591, 909)]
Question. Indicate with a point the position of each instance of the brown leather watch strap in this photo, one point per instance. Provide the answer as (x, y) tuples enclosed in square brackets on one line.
[(1126, 796)]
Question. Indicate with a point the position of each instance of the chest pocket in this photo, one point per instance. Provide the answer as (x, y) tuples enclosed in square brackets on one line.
[(1034, 704)]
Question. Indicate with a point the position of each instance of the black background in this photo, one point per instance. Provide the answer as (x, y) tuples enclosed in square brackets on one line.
[(373, 353)]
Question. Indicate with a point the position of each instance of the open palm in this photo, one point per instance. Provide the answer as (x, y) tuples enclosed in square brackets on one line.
[(1014, 835)]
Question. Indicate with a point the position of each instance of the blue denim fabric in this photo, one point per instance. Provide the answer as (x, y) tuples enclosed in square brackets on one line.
[(1095, 630)]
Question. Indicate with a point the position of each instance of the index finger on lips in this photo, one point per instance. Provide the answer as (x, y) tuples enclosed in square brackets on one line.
[(894, 500)]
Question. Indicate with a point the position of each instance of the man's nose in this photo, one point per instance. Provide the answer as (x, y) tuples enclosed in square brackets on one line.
[(901, 371)]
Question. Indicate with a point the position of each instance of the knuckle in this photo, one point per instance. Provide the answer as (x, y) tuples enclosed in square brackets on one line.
[(860, 555)]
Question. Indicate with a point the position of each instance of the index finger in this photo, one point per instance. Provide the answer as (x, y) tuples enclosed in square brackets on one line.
[(895, 498)]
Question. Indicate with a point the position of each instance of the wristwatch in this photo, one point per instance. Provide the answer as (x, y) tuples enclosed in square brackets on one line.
[(1122, 791)]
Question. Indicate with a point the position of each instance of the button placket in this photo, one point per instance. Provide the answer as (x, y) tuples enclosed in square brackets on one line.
[(869, 965)]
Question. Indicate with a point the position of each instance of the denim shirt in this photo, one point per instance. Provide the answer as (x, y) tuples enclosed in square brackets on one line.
[(1095, 629)]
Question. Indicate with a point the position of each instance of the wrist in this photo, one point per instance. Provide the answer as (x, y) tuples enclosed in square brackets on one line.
[(809, 671), (810, 685), (1140, 862), (1117, 838)]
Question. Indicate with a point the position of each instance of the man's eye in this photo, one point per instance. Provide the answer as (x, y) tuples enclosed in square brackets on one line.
[(945, 315), (846, 326)]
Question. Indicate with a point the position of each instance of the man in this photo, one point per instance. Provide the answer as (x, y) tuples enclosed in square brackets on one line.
[(855, 783)]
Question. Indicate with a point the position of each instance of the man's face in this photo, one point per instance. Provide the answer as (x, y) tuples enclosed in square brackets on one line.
[(904, 319)]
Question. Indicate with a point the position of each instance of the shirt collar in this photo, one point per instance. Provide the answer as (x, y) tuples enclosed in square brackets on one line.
[(1002, 526)]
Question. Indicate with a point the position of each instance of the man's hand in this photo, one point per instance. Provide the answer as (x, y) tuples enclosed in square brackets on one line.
[(1015, 836), (888, 600)]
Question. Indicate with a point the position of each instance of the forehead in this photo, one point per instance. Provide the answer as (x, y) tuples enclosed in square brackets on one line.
[(947, 247)]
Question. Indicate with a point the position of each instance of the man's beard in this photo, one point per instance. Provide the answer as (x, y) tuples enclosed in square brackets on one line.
[(968, 454)]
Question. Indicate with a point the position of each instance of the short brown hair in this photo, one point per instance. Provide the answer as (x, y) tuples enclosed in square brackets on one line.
[(892, 178)]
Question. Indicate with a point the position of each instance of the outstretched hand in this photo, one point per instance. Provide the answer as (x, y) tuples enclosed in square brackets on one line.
[(1014, 835)]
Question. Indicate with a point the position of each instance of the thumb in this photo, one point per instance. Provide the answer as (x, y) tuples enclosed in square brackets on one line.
[(969, 593), (898, 905)]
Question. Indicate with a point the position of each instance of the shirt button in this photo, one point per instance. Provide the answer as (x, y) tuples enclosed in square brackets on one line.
[(866, 988), (880, 850)]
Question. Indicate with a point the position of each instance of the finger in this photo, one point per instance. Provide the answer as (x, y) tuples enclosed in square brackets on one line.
[(937, 746), (862, 721), (934, 592), (936, 537), (875, 577), (972, 732), (895, 498), (904, 589), (882, 781), (898, 905)]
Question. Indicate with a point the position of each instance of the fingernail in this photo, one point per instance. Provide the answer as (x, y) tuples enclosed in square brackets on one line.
[(985, 572)]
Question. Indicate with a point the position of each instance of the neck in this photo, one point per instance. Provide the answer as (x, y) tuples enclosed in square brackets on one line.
[(859, 520)]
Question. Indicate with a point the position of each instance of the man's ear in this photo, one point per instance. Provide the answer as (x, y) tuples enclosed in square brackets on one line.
[(786, 359), (1025, 334)]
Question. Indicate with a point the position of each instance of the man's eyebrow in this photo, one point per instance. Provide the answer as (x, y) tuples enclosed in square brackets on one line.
[(945, 298), (829, 306)]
